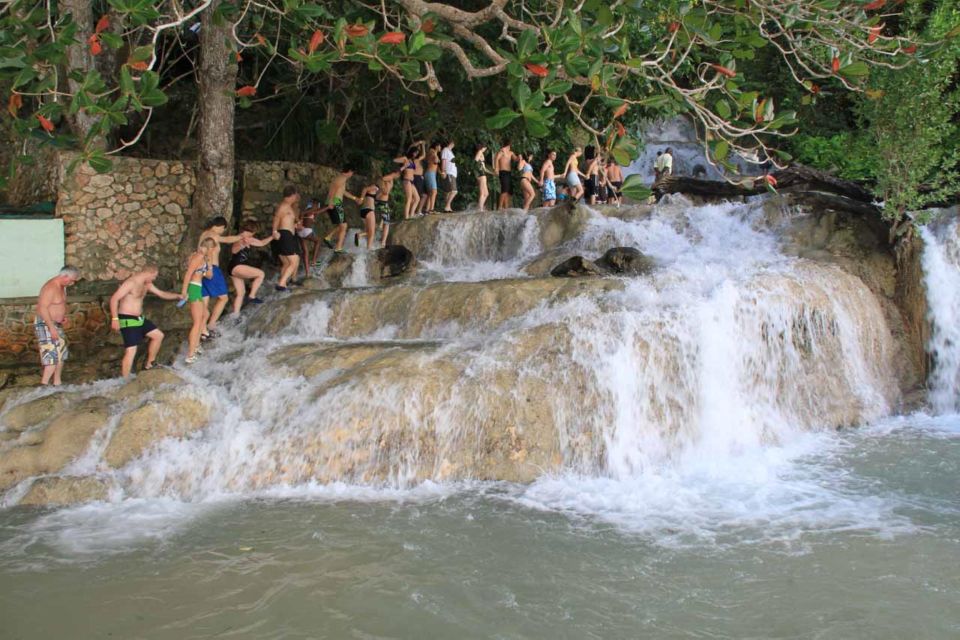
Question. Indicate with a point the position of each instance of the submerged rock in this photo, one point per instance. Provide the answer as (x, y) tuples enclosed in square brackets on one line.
[(576, 267), (626, 261), (64, 491), (170, 414), (48, 451)]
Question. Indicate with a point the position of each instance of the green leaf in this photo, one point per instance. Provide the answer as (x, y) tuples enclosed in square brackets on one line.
[(153, 98), (502, 118), (720, 150), (99, 162), (141, 54), (416, 42), (111, 39), (723, 109), (429, 53), (526, 44), (856, 69), (410, 69), (557, 87), (634, 188), (126, 81)]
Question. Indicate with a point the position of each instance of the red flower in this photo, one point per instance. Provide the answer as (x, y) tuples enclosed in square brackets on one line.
[(16, 101), (315, 41), (537, 70), (622, 109), (874, 33), (770, 180), (357, 30), (46, 124), (95, 47), (873, 6), (102, 24), (673, 27), (620, 129), (730, 73), (393, 37), (835, 65), (911, 49), (246, 91)]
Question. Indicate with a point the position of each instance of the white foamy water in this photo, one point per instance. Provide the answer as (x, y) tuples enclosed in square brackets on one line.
[(477, 247), (941, 266), (698, 394)]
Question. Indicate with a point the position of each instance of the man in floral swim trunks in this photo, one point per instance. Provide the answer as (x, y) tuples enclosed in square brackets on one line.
[(51, 312)]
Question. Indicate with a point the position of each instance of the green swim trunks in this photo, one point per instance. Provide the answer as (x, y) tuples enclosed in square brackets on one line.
[(336, 213)]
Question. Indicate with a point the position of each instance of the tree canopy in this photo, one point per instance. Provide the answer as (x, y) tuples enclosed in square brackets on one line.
[(91, 76)]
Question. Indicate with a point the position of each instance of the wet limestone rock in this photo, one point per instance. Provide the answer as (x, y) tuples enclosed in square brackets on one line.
[(64, 491), (66, 437), (626, 261), (35, 412), (171, 414), (146, 382), (575, 267)]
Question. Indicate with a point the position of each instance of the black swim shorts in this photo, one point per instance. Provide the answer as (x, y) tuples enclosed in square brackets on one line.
[(134, 329), (419, 184), (287, 244), (505, 182), (337, 214)]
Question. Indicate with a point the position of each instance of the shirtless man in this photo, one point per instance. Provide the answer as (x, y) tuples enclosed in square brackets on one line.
[(338, 189), (285, 224), (547, 182), (126, 316), (51, 313), (614, 181), (502, 162)]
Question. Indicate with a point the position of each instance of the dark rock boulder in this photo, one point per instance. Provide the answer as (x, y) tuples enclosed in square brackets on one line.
[(576, 267), (394, 260), (626, 261)]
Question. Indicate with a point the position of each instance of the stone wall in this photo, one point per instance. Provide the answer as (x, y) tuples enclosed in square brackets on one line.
[(117, 222), (87, 323), (261, 184)]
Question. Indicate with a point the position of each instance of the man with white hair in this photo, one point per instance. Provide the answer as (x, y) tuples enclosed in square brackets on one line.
[(51, 313)]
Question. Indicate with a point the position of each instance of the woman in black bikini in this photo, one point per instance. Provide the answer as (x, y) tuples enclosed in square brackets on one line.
[(239, 270), (480, 162), (409, 163), (368, 207)]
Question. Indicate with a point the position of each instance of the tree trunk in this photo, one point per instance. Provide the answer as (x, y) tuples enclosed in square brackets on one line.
[(79, 59), (217, 77)]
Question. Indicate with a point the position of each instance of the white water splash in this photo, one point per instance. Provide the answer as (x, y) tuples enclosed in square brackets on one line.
[(941, 266)]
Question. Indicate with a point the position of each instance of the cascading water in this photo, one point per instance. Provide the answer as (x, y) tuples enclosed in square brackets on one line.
[(728, 347), (665, 447), (473, 248), (941, 265)]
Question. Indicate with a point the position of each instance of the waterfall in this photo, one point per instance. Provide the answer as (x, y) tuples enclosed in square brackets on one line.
[(729, 347), (482, 247), (941, 266)]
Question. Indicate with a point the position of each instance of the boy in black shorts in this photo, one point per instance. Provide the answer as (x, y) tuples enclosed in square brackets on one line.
[(126, 316)]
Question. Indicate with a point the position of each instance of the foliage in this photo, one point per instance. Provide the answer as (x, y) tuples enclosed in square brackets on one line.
[(911, 119), (540, 65), (850, 154)]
